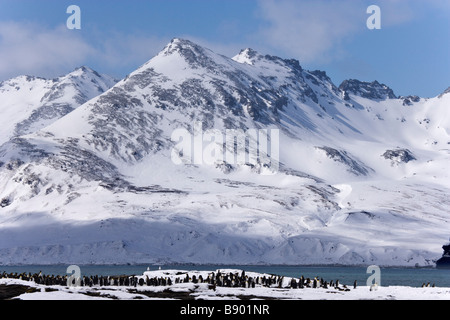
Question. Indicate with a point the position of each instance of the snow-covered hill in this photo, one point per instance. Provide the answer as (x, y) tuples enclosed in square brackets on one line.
[(362, 175)]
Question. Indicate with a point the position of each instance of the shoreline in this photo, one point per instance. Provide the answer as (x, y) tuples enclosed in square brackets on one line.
[(279, 288)]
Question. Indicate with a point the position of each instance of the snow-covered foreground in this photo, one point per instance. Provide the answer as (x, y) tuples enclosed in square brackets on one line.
[(204, 291)]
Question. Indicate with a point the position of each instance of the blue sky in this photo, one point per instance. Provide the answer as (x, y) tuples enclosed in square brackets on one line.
[(410, 53)]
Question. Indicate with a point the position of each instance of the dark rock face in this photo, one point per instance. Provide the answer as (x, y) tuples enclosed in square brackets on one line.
[(399, 155), (444, 262), (410, 100), (5, 202), (370, 90)]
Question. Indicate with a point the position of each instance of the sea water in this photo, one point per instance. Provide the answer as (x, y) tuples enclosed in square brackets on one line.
[(413, 277)]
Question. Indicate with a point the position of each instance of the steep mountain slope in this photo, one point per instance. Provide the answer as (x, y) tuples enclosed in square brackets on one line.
[(356, 175)]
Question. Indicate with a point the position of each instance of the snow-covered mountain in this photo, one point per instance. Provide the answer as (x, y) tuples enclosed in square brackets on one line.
[(361, 178), (28, 104)]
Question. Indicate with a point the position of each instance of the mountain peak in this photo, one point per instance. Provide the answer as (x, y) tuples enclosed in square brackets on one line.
[(192, 53), (87, 78), (181, 45), (370, 90), (83, 70), (248, 56)]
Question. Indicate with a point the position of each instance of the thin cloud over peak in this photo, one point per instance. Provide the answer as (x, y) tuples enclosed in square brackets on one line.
[(28, 48), (31, 49), (315, 31)]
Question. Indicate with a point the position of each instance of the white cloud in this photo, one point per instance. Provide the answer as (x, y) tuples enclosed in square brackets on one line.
[(118, 50), (313, 31), (317, 30), (32, 50), (310, 30)]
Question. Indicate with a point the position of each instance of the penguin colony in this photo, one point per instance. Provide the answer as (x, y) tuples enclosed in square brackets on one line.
[(219, 279), (52, 280)]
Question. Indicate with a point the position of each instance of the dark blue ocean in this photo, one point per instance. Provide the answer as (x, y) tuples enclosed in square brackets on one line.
[(413, 277)]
